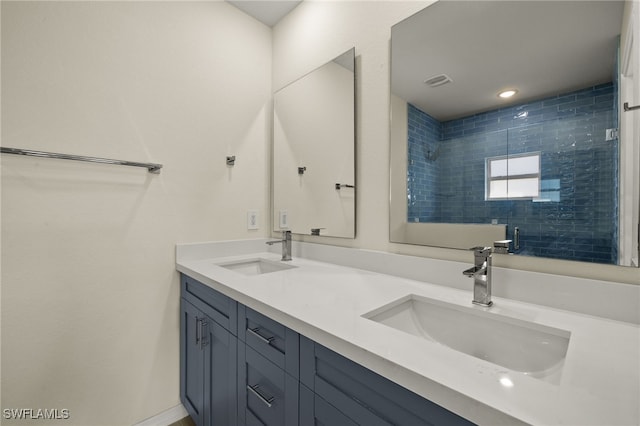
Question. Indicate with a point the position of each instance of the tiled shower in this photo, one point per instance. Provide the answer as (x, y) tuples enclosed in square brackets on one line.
[(574, 216)]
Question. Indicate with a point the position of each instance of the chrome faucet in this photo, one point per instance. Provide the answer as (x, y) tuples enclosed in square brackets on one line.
[(481, 273), (286, 245)]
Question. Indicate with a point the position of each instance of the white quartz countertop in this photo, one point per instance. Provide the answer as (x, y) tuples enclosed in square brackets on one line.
[(599, 383)]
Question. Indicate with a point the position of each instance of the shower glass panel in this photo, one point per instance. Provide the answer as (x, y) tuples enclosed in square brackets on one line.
[(545, 167), (576, 214)]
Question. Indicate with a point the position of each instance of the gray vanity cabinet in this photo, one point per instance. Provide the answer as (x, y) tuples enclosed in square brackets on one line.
[(239, 367), (208, 355)]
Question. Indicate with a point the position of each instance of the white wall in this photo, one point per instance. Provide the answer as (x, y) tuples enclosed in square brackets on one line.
[(316, 31), (90, 295)]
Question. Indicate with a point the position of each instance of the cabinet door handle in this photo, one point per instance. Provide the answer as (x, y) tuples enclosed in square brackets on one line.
[(198, 331), (254, 331), (203, 333), (265, 400)]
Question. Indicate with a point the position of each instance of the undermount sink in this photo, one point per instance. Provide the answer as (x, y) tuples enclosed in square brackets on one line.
[(518, 345), (256, 266)]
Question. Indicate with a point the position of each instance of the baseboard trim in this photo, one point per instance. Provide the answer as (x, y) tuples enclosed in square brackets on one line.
[(165, 418)]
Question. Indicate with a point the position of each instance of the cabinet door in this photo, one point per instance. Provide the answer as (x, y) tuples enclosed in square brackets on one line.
[(221, 360), (192, 378)]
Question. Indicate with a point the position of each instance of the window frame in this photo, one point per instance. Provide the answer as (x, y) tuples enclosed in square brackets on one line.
[(513, 177)]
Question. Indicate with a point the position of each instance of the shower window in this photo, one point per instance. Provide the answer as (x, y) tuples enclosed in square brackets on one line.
[(513, 177)]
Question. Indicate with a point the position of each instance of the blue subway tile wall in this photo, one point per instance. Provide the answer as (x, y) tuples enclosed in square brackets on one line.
[(576, 216), (424, 134)]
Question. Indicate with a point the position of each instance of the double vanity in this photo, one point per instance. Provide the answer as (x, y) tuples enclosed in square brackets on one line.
[(325, 338)]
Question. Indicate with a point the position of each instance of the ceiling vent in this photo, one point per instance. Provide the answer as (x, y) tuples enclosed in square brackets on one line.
[(438, 80)]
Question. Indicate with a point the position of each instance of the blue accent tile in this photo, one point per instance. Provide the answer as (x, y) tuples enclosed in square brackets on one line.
[(446, 168)]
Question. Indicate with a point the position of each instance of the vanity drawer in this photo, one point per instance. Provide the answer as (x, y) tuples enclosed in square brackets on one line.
[(316, 411), (220, 308), (364, 396), (266, 394), (271, 339)]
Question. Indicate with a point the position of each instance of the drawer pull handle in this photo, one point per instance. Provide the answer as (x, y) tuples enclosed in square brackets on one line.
[(254, 390), (254, 331)]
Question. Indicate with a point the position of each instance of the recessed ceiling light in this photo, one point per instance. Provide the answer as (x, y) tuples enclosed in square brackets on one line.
[(507, 93)]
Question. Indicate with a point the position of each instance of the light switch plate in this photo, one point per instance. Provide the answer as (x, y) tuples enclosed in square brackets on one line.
[(252, 219), (284, 219)]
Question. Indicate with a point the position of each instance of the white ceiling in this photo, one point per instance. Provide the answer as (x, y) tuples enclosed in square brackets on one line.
[(539, 47), (266, 11)]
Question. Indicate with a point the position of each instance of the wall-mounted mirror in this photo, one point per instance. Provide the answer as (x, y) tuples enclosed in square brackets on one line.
[(542, 168), (313, 156)]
